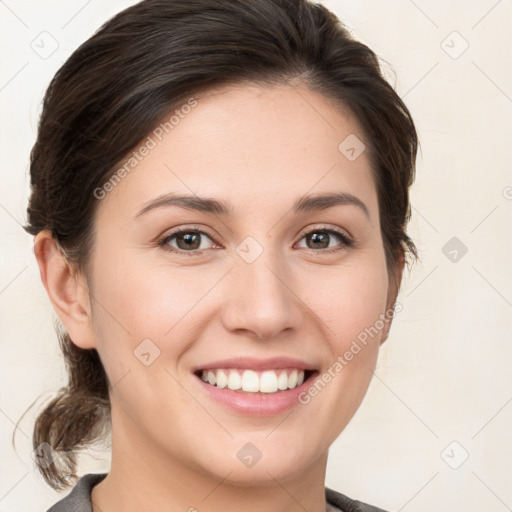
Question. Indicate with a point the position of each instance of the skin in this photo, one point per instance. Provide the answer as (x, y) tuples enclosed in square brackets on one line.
[(259, 149)]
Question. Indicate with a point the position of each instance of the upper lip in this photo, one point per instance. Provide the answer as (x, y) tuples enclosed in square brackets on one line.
[(249, 363)]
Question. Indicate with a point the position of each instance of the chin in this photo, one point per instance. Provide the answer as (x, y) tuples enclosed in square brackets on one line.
[(259, 460)]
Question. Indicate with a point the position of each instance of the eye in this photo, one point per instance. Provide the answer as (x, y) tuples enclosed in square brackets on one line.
[(187, 240), (320, 238)]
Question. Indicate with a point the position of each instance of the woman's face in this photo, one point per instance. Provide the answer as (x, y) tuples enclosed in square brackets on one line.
[(265, 281)]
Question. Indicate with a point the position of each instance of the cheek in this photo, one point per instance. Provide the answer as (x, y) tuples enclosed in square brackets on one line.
[(136, 303), (143, 328), (348, 299), (351, 303)]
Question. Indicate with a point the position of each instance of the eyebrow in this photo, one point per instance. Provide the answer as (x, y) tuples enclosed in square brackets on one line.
[(304, 204)]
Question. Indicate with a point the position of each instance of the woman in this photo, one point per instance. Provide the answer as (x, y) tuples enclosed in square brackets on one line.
[(220, 193)]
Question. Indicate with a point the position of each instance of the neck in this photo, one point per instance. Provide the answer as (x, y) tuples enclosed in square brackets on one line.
[(143, 477)]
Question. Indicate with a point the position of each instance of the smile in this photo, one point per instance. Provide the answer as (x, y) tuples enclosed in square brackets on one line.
[(266, 381)]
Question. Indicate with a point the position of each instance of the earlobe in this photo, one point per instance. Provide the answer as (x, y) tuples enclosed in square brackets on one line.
[(66, 289)]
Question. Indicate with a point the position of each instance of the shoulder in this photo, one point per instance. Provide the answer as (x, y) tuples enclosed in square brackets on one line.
[(79, 499), (345, 504)]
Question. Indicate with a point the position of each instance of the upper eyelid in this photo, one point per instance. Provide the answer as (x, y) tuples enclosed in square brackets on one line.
[(177, 231)]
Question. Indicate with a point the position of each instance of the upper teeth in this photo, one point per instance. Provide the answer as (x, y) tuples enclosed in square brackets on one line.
[(268, 381)]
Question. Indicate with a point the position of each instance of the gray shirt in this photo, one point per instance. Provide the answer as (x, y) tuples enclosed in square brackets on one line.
[(79, 498)]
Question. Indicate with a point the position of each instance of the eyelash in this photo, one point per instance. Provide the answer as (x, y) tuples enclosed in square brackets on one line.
[(346, 241)]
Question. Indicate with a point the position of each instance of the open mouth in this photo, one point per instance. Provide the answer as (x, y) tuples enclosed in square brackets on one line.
[(250, 381)]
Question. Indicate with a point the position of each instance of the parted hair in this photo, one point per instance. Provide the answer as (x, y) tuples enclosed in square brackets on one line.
[(128, 76)]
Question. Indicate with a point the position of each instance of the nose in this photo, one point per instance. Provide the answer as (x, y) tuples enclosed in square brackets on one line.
[(262, 297)]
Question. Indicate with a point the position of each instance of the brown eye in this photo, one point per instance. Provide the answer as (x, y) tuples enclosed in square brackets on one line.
[(187, 241), (319, 239)]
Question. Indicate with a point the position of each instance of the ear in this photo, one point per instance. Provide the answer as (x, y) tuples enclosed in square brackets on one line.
[(66, 288), (395, 278)]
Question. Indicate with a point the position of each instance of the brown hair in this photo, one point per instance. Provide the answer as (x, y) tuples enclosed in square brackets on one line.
[(119, 84)]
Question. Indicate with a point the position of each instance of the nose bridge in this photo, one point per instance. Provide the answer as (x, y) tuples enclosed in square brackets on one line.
[(261, 297)]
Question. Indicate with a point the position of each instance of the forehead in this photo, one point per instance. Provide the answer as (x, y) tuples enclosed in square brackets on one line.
[(252, 145)]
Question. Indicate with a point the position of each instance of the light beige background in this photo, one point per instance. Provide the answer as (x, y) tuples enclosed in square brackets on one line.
[(444, 374)]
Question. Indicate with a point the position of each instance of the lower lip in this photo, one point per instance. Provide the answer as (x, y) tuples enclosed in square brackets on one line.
[(257, 404)]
